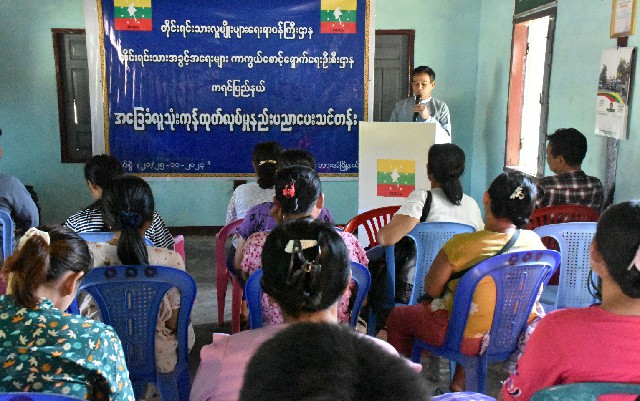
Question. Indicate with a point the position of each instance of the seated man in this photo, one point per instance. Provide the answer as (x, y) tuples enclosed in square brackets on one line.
[(566, 149), (16, 200), (423, 108)]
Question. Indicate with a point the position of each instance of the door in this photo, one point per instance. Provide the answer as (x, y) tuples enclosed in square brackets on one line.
[(392, 67)]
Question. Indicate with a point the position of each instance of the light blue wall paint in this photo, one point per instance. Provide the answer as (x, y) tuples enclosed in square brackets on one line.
[(446, 39), (468, 43)]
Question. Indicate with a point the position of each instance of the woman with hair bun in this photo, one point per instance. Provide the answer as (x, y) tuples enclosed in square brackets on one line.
[(306, 271), (298, 196), (508, 203), (128, 209), (43, 348), (598, 343), (266, 160)]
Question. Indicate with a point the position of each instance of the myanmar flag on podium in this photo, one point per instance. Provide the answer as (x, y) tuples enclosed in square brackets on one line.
[(396, 178), (132, 15), (338, 16)]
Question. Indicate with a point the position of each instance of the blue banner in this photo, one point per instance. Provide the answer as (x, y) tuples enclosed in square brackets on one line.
[(191, 87)]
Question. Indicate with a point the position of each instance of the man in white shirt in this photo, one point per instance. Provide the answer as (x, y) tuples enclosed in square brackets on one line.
[(422, 107)]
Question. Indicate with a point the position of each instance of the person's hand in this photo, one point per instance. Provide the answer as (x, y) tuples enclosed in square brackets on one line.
[(422, 109)]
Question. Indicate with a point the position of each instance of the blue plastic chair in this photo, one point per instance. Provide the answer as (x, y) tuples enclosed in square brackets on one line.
[(253, 294), (584, 391), (572, 290), (429, 239), (518, 277), (33, 396), (128, 298), (7, 234), (104, 236)]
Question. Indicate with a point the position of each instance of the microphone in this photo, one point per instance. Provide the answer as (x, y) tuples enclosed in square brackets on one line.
[(416, 115)]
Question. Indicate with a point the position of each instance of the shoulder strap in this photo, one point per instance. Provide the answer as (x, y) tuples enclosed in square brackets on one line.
[(426, 207), (504, 249)]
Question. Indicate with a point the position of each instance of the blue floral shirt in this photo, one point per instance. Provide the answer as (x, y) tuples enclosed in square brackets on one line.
[(46, 350)]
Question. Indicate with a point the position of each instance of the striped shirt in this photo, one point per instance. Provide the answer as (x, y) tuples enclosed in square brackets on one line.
[(91, 220), (570, 188)]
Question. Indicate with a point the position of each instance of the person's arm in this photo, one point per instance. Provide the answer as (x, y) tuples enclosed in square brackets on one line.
[(108, 352), (398, 227), (231, 209), (237, 257), (23, 209), (159, 234), (438, 276), (539, 196)]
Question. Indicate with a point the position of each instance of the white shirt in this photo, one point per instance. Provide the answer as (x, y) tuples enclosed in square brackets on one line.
[(442, 210)]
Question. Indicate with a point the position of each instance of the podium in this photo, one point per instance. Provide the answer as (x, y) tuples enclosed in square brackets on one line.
[(393, 160)]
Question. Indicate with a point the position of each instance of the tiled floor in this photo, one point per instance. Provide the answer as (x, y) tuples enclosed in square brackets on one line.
[(200, 263)]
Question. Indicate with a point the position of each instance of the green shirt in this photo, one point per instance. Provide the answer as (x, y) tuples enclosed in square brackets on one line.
[(46, 350)]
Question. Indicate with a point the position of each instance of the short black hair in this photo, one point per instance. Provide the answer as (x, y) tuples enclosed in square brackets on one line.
[(423, 69), (298, 157), (513, 197), (568, 143), (312, 361), (286, 279), (101, 169), (617, 240)]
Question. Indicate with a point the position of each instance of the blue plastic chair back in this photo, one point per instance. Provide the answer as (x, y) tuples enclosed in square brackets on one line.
[(518, 277), (128, 298), (574, 240), (7, 234), (104, 236), (33, 396), (584, 391), (253, 294), (429, 239)]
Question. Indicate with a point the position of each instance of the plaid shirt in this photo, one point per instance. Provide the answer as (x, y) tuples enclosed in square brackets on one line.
[(573, 187)]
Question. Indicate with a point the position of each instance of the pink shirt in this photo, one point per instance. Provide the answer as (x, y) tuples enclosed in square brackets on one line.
[(223, 362), (271, 312), (577, 345)]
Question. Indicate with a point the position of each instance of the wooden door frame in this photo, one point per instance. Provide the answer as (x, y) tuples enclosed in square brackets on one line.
[(410, 34)]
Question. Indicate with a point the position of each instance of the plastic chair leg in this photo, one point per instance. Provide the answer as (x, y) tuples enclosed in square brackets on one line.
[(236, 304), (222, 280), (372, 324), (475, 369), (167, 386)]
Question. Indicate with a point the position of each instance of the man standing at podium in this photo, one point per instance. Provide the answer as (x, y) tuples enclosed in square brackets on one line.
[(422, 107)]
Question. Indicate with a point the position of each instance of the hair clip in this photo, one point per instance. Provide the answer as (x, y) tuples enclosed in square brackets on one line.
[(636, 261), (289, 190), (517, 193), (130, 219), (34, 232), (267, 161), (304, 244)]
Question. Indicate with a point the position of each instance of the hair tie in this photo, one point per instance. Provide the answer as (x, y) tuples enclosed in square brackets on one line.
[(636, 261), (130, 219), (517, 193), (267, 161), (34, 232), (289, 190)]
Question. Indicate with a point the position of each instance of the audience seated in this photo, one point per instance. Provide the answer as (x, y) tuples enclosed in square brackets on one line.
[(266, 158), (98, 171), (43, 348), (258, 218), (327, 362), (599, 343), (129, 207), (508, 203), (306, 270), (570, 185), (298, 195), (16, 200)]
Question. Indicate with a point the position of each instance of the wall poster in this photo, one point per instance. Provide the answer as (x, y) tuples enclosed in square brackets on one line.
[(190, 87), (614, 83)]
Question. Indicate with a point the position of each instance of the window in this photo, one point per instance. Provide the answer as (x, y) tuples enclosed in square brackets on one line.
[(74, 112), (528, 106)]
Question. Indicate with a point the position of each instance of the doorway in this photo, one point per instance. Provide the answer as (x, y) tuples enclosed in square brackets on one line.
[(392, 66)]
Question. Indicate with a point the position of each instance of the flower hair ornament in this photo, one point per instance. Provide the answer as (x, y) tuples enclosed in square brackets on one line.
[(636, 261), (267, 162), (289, 190), (34, 232), (295, 248), (517, 193)]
